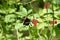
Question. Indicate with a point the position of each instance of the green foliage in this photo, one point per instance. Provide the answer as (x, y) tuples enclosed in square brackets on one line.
[(11, 21)]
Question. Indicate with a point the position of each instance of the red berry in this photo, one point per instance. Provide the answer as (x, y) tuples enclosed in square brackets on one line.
[(53, 22), (37, 21), (34, 22), (47, 5)]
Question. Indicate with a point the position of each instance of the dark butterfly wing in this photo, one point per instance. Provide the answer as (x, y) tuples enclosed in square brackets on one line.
[(26, 21)]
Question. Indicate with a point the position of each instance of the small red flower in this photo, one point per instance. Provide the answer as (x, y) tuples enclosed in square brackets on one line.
[(53, 22), (34, 22), (46, 5)]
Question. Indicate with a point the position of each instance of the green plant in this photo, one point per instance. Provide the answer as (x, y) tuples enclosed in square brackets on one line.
[(29, 19)]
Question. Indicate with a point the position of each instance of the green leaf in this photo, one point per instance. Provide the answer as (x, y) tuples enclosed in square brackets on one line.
[(33, 31), (11, 10), (29, 11), (53, 34), (2, 11), (9, 18), (22, 12), (57, 1)]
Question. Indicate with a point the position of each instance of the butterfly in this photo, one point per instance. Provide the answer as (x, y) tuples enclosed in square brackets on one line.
[(26, 21)]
